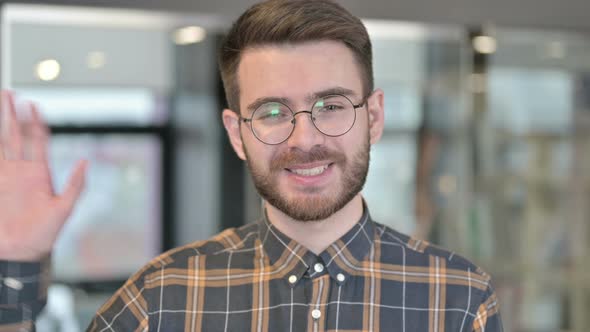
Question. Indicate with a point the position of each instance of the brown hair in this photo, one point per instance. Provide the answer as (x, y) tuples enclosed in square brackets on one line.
[(292, 21)]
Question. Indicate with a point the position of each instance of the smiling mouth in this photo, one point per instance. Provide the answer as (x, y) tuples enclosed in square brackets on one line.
[(309, 171)]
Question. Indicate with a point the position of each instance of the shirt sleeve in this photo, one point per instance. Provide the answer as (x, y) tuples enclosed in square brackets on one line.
[(23, 293), (487, 318)]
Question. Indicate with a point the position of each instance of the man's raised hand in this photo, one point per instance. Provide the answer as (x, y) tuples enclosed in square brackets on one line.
[(31, 213)]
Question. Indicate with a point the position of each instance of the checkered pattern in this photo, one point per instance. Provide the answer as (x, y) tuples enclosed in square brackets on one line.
[(23, 292), (256, 278)]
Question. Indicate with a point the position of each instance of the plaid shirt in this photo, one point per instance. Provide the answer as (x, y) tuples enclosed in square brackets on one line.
[(23, 291), (256, 278)]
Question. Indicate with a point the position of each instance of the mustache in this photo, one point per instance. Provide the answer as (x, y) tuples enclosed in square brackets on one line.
[(296, 156)]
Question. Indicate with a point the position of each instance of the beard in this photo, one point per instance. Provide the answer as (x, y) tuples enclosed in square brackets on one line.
[(309, 206)]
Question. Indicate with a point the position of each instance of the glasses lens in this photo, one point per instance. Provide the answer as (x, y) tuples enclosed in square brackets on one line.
[(272, 123), (333, 115)]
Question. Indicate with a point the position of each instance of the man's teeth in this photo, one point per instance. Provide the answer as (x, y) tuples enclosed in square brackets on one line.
[(310, 171)]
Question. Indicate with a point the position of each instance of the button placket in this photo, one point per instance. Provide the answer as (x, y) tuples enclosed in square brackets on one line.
[(318, 302)]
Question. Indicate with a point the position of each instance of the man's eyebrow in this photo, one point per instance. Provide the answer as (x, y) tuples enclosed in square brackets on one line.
[(263, 100), (309, 99), (331, 91)]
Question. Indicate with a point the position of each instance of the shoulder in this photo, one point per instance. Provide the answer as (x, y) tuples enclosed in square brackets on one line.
[(438, 273), (217, 248), (173, 270), (422, 253)]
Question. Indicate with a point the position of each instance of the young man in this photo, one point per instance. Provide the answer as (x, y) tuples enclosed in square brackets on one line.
[(303, 115)]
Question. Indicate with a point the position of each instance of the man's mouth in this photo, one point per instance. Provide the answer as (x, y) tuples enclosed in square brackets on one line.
[(312, 171)]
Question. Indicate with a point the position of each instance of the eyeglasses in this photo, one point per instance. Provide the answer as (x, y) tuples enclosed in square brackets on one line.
[(273, 122)]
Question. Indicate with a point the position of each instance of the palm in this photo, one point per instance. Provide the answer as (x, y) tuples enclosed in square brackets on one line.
[(32, 214), (24, 194)]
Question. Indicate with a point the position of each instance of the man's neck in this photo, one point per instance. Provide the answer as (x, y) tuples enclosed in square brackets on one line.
[(317, 235)]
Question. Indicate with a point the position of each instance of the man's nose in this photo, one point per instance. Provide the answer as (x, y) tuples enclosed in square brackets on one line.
[(305, 135)]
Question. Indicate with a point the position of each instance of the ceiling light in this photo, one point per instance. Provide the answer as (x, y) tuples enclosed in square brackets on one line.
[(189, 35), (48, 70), (95, 60), (485, 44)]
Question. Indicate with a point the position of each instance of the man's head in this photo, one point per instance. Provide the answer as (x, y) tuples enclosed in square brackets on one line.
[(296, 55)]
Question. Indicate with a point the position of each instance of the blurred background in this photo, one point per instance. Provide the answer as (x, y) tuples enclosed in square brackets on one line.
[(486, 149)]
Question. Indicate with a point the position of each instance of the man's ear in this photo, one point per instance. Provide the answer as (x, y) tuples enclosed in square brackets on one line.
[(231, 122), (376, 115)]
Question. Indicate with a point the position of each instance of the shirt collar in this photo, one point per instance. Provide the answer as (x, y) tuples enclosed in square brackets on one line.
[(341, 259)]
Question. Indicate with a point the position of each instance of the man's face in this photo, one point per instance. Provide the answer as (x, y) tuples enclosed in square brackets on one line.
[(310, 176)]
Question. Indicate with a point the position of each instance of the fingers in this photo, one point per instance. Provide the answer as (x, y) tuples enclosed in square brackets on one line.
[(74, 188), (39, 136), (11, 144)]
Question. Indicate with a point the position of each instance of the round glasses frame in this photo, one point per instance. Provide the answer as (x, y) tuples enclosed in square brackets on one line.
[(294, 121)]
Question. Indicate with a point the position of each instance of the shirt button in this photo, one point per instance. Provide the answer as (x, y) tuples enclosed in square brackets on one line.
[(292, 279), (318, 267), (316, 314), (340, 277), (13, 283)]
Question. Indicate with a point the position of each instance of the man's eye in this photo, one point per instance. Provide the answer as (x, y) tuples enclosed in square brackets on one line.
[(331, 108), (272, 115)]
